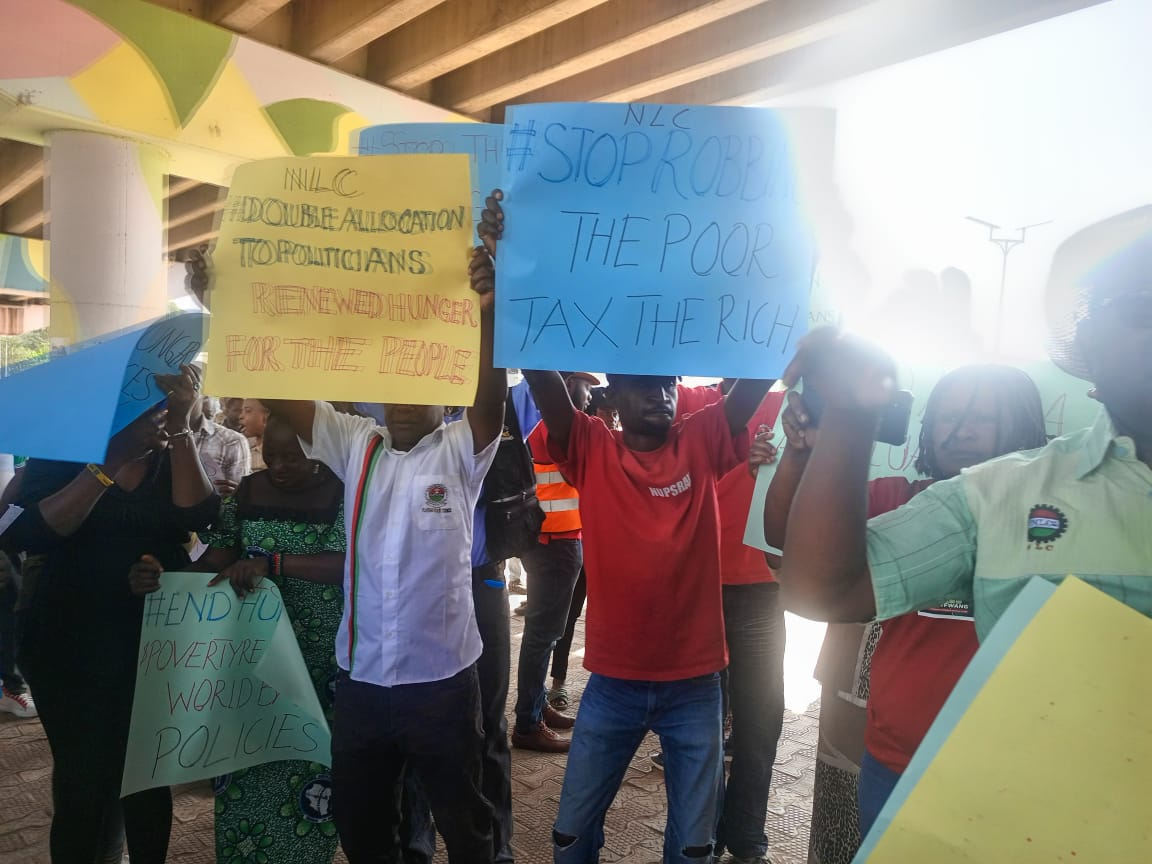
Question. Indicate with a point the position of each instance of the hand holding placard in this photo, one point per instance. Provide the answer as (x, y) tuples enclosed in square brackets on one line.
[(84, 398), (491, 224)]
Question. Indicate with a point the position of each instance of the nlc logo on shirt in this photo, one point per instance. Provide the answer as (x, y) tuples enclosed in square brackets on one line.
[(680, 486), (1045, 524)]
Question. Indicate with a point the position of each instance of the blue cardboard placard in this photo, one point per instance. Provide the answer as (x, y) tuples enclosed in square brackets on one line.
[(657, 239), (69, 407), (483, 142)]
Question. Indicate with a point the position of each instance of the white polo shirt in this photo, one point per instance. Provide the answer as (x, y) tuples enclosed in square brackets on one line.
[(408, 612)]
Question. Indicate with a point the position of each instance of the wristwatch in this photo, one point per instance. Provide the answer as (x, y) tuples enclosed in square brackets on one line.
[(273, 558)]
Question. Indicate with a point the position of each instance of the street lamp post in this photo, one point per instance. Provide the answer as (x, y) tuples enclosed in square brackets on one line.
[(1006, 239)]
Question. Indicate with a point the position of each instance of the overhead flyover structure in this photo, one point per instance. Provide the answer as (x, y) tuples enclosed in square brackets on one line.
[(200, 85), (122, 122)]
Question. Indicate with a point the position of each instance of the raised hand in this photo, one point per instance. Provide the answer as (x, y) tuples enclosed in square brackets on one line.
[(799, 431), (848, 372), (182, 391), (491, 227), (198, 274)]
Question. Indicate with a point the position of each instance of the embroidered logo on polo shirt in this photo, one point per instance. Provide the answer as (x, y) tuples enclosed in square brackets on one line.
[(1045, 524), (436, 499)]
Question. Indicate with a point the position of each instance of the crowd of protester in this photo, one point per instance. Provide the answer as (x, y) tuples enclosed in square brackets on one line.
[(391, 530)]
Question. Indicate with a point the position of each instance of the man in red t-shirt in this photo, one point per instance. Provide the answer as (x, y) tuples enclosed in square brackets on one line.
[(754, 630), (655, 626)]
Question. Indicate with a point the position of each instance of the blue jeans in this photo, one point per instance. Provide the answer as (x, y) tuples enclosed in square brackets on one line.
[(875, 786), (754, 625), (614, 717)]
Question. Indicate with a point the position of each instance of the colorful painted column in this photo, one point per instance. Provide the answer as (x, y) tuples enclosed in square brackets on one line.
[(106, 255)]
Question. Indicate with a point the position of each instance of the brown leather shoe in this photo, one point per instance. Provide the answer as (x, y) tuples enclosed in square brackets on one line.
[(555, 720), (540, 738)]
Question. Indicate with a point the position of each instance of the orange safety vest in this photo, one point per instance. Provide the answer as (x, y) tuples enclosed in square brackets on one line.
[(559, 501)]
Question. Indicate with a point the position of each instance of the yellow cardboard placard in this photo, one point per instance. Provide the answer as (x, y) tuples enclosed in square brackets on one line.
[(346, 279), (1050, 762)]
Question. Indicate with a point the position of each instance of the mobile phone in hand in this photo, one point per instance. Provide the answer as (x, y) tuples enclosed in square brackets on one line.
[(894, 419)]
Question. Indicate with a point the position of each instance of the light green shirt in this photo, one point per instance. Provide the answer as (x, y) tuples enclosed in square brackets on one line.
[(1081, 506)]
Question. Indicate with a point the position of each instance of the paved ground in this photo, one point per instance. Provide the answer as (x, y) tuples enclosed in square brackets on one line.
[(634, 827)]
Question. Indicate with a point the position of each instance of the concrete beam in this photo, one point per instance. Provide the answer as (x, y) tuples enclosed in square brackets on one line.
[(180, 185), (193, 233), (21, 165), (601, 35), (242, 15), (890, 38), (199, 201), (24, 214), (758, 33), (456, 34), (327, 30)]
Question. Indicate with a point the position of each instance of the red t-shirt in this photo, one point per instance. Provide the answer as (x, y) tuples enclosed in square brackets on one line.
[(652, 546), (918, 660), (739, 564)]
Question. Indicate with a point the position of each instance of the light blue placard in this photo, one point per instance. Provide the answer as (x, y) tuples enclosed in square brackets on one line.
[(484, 142), (161, 349), (69, 407), (992, 650), (656, 239)]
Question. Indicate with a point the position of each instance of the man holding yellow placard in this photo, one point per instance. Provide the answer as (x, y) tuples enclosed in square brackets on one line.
[(408, 642)]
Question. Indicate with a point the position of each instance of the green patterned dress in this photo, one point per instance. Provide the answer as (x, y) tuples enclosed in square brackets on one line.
[(279, 812)]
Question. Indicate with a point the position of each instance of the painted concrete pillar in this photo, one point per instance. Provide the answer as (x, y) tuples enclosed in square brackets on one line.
[(106, 249)]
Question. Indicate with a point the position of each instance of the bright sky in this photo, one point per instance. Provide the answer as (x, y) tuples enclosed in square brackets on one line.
[(1049, 122)]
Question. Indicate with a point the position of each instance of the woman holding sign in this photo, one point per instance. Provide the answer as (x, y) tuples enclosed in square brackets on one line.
[(286, 524), (88, 525)]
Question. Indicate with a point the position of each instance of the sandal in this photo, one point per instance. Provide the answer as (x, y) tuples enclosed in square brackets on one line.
[(558, 699)]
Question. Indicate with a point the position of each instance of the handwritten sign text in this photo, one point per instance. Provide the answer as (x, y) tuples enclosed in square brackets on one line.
[(346, 279), (652, 239), (206, 701)]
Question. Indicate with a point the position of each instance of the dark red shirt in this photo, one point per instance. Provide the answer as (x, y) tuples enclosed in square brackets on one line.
[(652, 545), (739, 564), (917, 661)]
